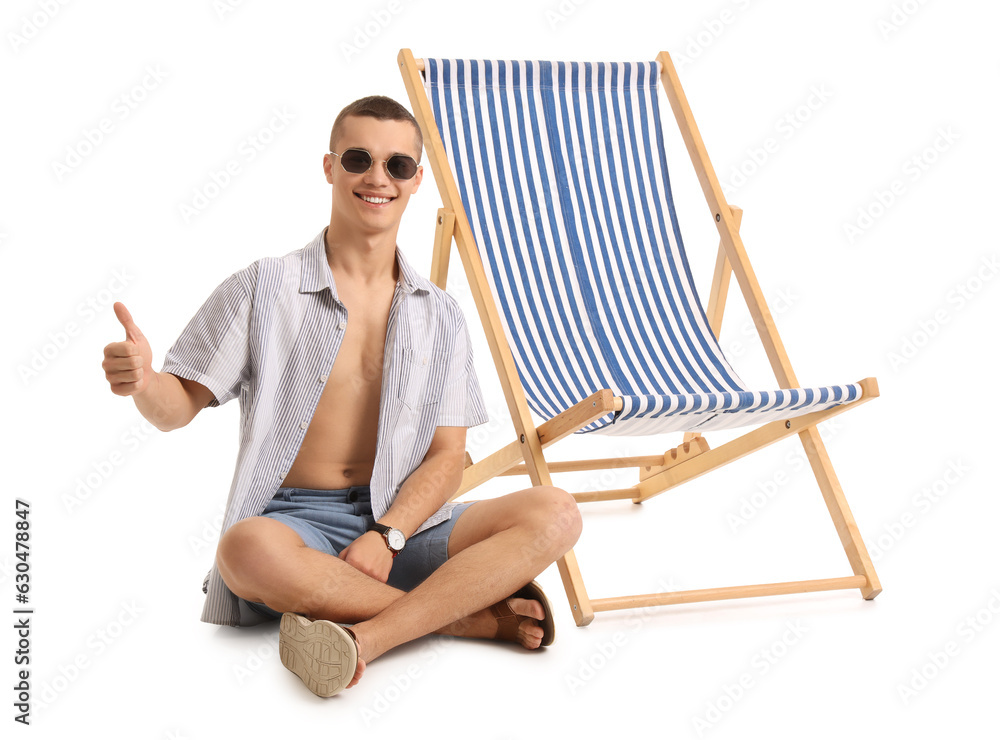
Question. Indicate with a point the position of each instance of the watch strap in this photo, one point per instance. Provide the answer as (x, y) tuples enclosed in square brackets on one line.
[(384, 530)]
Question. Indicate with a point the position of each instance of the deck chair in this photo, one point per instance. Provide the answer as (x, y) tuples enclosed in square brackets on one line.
[(585, 293)]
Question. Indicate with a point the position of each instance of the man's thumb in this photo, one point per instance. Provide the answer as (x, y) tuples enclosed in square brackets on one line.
[(132, 332)]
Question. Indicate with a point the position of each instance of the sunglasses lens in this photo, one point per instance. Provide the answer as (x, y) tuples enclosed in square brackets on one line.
[(401, 167), (356, 161)]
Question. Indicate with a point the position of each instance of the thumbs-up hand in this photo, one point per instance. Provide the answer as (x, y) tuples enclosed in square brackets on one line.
[(128, 365)]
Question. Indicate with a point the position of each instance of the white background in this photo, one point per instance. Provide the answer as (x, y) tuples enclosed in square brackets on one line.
[(124, 521)]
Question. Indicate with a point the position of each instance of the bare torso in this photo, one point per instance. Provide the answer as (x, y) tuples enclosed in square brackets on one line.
[(339, 447)]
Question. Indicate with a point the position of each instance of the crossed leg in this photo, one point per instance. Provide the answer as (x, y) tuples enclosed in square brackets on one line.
[(496, 547)]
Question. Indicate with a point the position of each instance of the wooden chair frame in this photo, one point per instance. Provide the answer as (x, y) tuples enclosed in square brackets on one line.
[(694, 456)]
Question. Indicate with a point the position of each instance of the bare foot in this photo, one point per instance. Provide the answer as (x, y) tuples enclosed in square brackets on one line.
[(483, 624), (357, 673)]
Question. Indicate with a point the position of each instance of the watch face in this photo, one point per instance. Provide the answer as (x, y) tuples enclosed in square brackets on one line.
[(396, 539)]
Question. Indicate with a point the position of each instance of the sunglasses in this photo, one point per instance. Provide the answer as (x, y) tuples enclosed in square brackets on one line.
[(359, 161)]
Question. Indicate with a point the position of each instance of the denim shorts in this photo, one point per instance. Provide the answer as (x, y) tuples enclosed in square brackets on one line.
[(329, 521)]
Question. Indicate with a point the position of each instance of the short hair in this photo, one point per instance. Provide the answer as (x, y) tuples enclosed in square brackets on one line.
[(381, 108)]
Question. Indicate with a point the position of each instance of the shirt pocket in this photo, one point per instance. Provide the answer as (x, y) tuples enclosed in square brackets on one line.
[(423, 375)]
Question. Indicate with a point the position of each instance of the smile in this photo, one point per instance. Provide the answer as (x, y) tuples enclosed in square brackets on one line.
[(373, 199)]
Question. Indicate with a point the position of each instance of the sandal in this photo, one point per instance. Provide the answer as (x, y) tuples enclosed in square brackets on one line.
[(508, 622), (323, 654)]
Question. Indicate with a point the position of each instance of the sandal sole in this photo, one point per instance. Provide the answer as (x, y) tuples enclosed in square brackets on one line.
[(321, 653)]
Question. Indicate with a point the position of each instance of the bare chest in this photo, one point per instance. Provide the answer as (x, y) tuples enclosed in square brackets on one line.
[(339, 446)]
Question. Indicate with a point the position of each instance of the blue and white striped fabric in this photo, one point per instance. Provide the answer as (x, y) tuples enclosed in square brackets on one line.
[(564, 179)]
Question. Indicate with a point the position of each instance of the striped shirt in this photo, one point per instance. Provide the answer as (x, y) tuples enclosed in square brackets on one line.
[(270, 335)]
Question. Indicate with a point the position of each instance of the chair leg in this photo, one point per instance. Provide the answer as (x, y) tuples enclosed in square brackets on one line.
[(583, 612), (443, 234), (840, 512)]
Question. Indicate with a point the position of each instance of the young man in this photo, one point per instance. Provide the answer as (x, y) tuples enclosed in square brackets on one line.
[(356, 386)]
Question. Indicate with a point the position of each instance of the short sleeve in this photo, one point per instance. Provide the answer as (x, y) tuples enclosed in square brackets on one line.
[(462, 402), (214, 348)]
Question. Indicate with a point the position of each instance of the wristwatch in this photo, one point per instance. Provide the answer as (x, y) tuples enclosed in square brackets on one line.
[(394, 539)]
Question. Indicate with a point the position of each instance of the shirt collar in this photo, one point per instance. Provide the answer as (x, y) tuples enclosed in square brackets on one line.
[(316, 270), (409, 280)]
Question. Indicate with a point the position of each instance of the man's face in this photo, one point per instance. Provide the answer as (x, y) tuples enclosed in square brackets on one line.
[(372, 202)]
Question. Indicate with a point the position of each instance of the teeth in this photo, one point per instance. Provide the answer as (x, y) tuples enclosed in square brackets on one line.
[(373, 199)]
